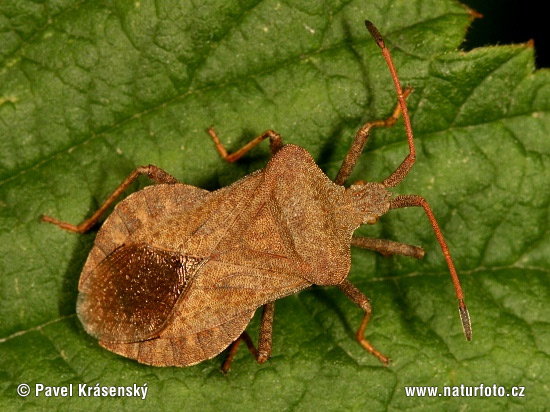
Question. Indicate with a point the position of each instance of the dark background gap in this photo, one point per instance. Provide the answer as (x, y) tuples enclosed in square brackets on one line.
[(510, 22)]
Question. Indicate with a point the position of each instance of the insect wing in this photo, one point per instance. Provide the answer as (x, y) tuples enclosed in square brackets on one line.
[(131, 293), (230, 285)]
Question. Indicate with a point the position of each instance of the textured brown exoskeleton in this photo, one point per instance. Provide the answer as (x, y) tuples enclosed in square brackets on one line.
[(177, 272)]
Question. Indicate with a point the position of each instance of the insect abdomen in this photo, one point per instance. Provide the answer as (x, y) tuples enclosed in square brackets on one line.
[(184, 350)]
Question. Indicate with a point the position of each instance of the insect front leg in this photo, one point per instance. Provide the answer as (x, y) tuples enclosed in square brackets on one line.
[(263, 353), (362, 301), (153, 172), (275, 143), (387, 247), (361, 138)]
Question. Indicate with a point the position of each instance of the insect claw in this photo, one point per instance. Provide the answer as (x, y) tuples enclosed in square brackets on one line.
[(262, 357), (407, 91), (465, 318)]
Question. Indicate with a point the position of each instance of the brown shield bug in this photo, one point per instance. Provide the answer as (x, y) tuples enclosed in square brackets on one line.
[(176, 272)]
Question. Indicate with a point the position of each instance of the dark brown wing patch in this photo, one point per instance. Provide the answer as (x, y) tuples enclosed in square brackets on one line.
[(132, 291)]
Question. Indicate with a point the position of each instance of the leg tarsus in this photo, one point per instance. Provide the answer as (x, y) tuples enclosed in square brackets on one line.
[(263, 353), (356, 296), (360, 336), (275, 144), (233, 350), (153, 172), (387, 247)]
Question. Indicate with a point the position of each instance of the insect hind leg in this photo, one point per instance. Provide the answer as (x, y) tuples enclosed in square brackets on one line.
[(275, 144), (262, 354)]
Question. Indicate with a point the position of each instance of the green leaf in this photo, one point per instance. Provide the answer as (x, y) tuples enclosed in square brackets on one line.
[(90, 90)]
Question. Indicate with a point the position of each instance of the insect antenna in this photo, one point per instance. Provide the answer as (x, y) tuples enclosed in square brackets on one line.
[(413, 200), (399, 174)]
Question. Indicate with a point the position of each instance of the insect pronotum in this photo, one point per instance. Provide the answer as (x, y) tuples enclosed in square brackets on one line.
[(176, 272)]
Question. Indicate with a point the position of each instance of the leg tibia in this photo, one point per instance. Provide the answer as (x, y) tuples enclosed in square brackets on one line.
[(154, 173), (262, 354), (360, 140), (275, 143), (387, 247)]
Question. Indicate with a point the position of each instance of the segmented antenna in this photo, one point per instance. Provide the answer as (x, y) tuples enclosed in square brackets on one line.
[(413, 200)]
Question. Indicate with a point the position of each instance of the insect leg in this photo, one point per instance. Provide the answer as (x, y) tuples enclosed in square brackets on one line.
[(387, 247), (154, 173), (362, 301), (262, 354), (265, 339), (275, 143), (419, 201), (360, 140)]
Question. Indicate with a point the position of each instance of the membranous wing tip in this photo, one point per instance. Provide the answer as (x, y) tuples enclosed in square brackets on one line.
[(465, 318)]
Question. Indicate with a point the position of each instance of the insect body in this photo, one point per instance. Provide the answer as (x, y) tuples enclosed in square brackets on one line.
[(177, 272)]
